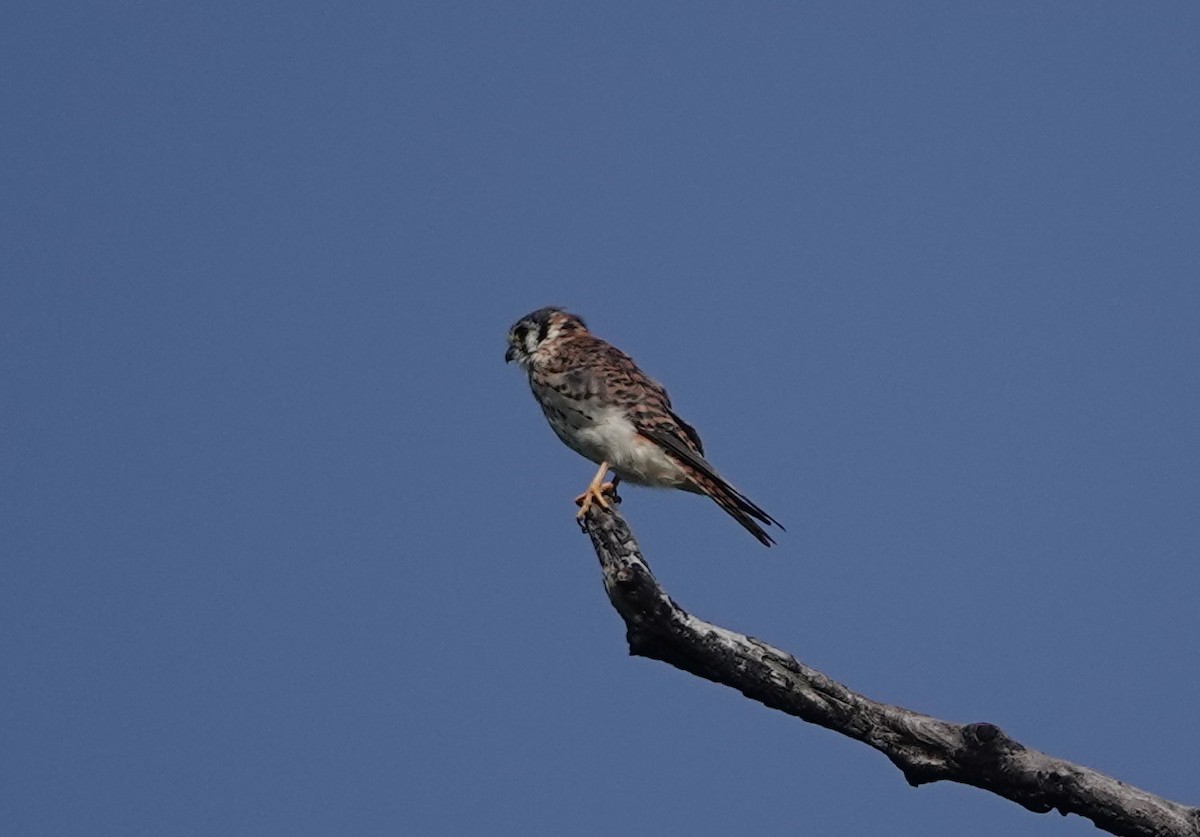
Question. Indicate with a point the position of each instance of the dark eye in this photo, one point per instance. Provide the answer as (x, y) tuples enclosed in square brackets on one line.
[(519, 333)]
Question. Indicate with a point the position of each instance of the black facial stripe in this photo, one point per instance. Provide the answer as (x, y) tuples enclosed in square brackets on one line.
[(541, 318)]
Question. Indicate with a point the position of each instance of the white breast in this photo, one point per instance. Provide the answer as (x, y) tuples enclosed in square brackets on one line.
[(609, 436)]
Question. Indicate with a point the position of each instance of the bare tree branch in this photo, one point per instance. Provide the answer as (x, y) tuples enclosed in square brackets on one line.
[(925, 749)]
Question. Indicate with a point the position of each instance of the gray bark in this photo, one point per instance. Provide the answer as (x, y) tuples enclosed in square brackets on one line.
[(925, 749)]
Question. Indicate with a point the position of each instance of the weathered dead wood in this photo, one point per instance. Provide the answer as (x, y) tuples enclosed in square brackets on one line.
[(925, 749)]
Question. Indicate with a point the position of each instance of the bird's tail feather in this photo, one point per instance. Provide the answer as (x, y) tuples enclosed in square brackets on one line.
[(738, 506), (708, 481)]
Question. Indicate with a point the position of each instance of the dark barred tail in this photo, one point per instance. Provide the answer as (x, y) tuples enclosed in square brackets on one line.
[(738, 506), (707, 481)]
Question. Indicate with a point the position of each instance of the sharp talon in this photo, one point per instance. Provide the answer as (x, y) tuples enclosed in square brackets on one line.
[(595, 493), (585, 500)]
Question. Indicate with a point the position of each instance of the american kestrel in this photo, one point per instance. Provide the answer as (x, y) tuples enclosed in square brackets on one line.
[(604, 407)]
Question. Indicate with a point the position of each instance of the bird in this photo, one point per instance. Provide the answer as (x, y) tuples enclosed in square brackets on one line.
[(604, 407)]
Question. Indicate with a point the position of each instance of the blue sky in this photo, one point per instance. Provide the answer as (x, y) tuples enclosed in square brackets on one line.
[(289, 550)]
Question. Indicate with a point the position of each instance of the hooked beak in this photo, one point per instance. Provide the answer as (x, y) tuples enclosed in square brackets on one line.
[(510, 354)]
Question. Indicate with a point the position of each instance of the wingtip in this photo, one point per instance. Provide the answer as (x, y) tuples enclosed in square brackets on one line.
[(747, 522), (765, 539)]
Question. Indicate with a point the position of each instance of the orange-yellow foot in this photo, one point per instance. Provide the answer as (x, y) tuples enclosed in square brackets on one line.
[(595, 492)]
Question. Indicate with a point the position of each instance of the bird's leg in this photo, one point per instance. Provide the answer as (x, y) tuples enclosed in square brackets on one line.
[(595, 492)]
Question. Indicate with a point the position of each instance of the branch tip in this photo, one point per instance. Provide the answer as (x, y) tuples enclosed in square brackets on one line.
[(925, 749)]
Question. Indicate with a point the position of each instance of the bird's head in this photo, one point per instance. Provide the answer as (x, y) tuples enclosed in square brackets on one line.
[(532, 331)]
